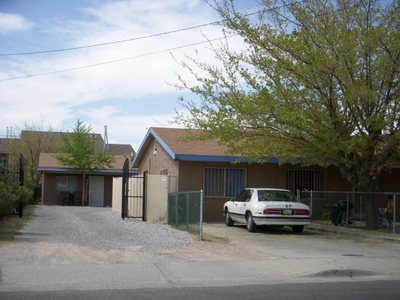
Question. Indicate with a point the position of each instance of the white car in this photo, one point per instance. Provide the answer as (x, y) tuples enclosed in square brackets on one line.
[(262, 206)]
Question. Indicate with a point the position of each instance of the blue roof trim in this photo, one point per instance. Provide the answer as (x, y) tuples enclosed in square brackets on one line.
[(216, 158), (159, 140), (163, 144), (140, 147)]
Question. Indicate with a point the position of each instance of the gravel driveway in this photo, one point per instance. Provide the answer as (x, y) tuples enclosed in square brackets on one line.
[(99, 228)]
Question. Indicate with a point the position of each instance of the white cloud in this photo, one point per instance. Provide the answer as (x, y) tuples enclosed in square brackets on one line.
[(13, 22), (95, 94)]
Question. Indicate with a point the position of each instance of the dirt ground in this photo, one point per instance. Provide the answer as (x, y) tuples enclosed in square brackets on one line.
[(211, 248)]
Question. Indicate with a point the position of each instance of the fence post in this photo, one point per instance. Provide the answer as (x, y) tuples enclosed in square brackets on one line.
[(187, 211), (361, 203), (347, 210), (394, 213), (176, 210), (201, 214), (311, 202)]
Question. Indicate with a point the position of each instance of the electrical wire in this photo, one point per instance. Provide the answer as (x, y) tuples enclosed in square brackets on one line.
[(114, 60), (123, 41), (145, 36), (112, 42)]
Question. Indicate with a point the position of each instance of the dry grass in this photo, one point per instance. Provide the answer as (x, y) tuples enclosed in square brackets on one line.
[(10, 226)]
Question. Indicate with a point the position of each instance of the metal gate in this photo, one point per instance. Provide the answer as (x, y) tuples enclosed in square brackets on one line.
[(133, 194)]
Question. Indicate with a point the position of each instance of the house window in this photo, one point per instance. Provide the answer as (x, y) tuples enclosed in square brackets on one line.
[(224, 182), (311, 180), (66, 184)]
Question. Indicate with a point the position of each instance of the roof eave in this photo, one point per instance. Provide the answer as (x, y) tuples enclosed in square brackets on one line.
[(70, 170), (160, 141)]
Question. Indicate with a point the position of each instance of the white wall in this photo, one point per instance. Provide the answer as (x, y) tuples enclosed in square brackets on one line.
[(117, 195), (157, 187), (157, 198)]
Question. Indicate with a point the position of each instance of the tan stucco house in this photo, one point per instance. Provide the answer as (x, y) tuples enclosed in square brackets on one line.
[(61, 185), (205, 165)]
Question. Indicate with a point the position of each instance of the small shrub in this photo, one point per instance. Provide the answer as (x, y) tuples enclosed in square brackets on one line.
[(12, 194)]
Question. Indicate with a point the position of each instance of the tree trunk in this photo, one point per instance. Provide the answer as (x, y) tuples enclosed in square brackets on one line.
[(371, 203), (363, 180)]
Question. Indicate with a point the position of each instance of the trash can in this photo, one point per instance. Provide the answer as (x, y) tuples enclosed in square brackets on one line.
[(336, 216), (346, 208)]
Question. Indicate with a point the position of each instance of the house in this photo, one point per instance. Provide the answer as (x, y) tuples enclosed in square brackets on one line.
[(61, 185), (204, 165)]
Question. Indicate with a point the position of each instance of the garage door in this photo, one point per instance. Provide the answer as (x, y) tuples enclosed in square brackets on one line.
[(96, 191)]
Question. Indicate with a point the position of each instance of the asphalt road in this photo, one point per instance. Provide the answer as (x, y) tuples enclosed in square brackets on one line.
[(230, 263), (387, 290)]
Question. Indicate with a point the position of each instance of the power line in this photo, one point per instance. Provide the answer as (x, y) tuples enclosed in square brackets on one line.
[(127, 40), (114, 61), (112, 42), (123, 40), (145, 36)]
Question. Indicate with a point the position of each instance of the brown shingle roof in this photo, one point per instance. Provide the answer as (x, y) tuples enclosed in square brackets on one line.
[(177, 140), (121, 149), (176, 143), (47, 161)]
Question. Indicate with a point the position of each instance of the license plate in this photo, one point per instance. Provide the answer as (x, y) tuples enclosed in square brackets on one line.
[(286, 212)]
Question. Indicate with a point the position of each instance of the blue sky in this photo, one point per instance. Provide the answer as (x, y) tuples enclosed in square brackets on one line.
[(128, 89)]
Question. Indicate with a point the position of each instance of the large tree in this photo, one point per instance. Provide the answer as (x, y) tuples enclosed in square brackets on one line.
[(318, 83), (79, 152), (29, 145)]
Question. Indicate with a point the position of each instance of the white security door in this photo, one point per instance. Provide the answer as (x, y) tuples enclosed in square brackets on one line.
[(96, 191)]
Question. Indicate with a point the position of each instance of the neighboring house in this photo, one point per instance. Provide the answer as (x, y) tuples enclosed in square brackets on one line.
[(205, 165), (61, 185)]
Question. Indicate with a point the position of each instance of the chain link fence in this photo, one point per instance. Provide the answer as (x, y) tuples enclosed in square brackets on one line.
[(349, 208), (185, 211)]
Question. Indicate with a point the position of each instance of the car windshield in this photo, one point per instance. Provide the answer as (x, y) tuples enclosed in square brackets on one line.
[(266, 195)]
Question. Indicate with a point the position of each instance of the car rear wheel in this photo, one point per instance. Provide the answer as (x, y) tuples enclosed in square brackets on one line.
[(228, 221), (251, 226), (298, 228)]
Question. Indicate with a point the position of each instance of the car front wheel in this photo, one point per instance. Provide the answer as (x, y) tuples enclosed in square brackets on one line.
[(228, 221), (251, 226)]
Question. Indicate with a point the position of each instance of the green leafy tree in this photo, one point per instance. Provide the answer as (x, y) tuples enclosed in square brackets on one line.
[(319, 83), (79, 152)]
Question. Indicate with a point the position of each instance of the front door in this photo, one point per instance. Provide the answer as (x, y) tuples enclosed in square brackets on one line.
[(96, 191)]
